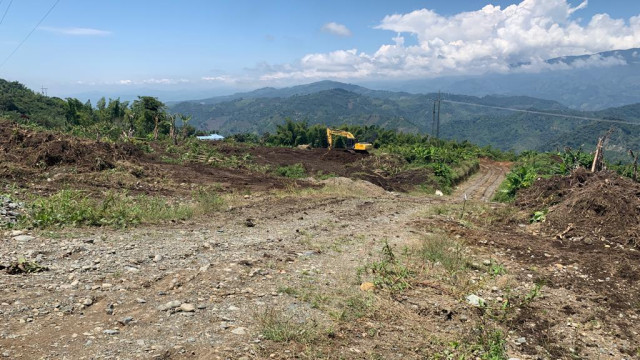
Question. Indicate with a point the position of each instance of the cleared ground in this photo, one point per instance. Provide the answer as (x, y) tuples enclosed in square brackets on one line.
[(338, 269)]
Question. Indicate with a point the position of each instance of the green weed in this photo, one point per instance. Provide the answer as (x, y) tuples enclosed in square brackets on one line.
[(276, 326), (492, 343), (539, 216), (496, 269), (295, 171), (354, 307), (388, 273), (77, 208), (447, 252)]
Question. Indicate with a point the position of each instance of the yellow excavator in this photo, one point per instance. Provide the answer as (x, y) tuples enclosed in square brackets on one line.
[(352, 143)]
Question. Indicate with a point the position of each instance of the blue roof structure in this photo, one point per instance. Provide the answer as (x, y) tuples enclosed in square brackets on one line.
[(211, 137)]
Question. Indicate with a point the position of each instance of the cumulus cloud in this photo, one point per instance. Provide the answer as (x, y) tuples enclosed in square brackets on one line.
[(154, 81), (76, 31), (336, 29), (164, 81), (490, 39)]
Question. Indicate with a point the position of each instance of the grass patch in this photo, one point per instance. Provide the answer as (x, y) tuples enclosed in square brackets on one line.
[(322, 176), (276, 326), (295, 171), (354, 307), (447, 252), (484, 342), (77, 208)]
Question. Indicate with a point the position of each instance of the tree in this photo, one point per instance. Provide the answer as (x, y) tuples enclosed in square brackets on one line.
[(78, 113), (187, 129), (149, 113), (173, 134), (291, 133)]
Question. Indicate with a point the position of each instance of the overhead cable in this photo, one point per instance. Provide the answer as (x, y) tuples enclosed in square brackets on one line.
[(29, 34)]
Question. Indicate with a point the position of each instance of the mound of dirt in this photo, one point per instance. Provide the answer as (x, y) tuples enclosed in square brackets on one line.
[(354, 185), (45, 149), (593, 206)]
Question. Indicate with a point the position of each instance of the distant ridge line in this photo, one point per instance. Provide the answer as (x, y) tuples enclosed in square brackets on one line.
[(543, 113)]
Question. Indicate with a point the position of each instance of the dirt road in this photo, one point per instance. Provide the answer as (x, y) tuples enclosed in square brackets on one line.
[(282, 276), (484, 183)]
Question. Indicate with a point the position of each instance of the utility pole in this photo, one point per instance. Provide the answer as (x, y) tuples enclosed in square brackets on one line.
[(433, 120), (44, 90), (435, 123), (438, 118)]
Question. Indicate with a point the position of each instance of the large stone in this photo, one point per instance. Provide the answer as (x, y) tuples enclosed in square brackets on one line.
[(367, 286), (475, 300), (187, 307), (239, 331), (23, 238), (170, 305)]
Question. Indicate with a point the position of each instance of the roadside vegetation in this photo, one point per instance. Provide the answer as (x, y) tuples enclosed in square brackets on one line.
[(116, 209), (531, 165)]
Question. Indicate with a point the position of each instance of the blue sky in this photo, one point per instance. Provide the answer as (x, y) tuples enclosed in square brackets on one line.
[(170, 45)]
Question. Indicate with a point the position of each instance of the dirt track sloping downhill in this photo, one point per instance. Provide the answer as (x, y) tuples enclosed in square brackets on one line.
[(484, 183)]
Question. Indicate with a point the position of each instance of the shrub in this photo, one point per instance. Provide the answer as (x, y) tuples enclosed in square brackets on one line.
[(295, 171)]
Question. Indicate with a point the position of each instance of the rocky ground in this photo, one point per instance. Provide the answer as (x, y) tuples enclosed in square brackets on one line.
[(348, 271), (357, 266)]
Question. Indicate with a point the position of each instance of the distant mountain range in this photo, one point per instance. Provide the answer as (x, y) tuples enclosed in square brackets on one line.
[(586, 82)]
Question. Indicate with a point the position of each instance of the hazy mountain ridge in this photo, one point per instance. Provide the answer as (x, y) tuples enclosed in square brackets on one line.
[(584, 82)]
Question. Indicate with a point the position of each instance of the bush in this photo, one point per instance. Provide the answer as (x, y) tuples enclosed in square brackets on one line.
[(295, 171)]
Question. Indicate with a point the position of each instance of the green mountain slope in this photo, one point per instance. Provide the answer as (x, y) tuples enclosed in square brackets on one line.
[(17, 100)]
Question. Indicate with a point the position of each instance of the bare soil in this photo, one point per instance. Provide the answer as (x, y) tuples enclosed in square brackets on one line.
[(36, 158), (601, 207), (296, 255)]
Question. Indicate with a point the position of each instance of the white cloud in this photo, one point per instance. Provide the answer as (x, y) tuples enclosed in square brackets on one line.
[(76, 31), (164, 81), (588, 62), (215, 78), (336, 29), (154, 81), (487, 40)]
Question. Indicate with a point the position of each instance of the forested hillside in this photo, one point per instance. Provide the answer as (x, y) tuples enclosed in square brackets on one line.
[(144, 117)]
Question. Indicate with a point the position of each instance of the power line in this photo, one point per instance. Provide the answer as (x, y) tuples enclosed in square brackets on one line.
[(545, 113), (6, 11), (29, 34)]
